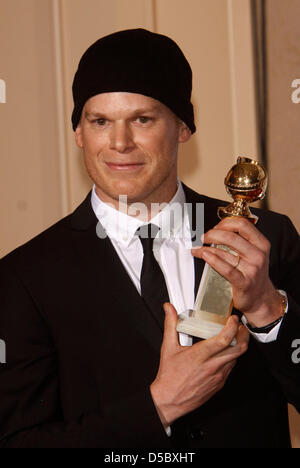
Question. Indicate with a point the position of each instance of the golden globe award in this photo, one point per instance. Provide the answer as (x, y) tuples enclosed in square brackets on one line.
[(246, 182)]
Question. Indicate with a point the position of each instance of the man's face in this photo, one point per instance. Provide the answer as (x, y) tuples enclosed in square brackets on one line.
[(130, 145)]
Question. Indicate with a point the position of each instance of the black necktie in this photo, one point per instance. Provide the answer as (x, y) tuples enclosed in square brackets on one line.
[(153, 286)]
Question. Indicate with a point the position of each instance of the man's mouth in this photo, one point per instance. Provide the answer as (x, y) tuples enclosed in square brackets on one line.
[(124, 166)]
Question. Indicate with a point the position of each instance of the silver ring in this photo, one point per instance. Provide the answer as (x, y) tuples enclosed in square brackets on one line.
[(238, 261)]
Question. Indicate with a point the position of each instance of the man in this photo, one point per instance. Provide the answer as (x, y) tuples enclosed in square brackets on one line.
[(91, 362)]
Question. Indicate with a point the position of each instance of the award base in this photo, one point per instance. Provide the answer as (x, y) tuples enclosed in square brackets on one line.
[(197, 327)]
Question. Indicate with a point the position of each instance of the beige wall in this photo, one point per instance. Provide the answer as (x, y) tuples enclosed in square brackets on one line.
[(42, 176), (283, 67), (29, 174)]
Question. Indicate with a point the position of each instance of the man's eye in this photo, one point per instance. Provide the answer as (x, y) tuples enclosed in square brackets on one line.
[(100, 122), (143, 119)]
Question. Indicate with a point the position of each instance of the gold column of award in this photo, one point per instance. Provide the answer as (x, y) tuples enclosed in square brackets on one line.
[(246, 182)]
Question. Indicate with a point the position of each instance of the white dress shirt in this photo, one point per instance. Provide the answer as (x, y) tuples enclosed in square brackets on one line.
[(172, 252)]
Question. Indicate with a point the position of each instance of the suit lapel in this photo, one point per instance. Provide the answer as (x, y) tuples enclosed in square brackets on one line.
[(98, 254)]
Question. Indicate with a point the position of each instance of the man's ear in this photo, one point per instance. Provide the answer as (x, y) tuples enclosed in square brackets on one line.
[(184, 133), (78, 136)]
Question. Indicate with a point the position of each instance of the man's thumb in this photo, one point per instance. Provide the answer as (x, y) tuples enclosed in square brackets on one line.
[(170, 340)]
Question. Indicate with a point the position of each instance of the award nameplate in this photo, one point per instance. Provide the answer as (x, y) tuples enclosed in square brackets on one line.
[(246, 182)]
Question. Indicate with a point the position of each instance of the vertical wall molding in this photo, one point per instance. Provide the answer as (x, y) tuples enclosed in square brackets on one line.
[(232, 64), (242, 77), (60, 101), (149, 14)]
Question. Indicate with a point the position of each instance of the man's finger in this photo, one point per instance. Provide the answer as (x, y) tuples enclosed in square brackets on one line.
[(222, 341), (229, 271), (230, 354), (243, 336), (246, 230)]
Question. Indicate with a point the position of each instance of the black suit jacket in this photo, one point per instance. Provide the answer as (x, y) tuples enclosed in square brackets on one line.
[(82, 349)]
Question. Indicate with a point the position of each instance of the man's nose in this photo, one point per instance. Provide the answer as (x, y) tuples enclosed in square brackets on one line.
[(121, 138)]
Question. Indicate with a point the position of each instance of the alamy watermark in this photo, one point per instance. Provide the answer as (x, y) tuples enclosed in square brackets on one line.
[(2, 92), (189, 217), (295, 96), (296, 353), (2, 352)]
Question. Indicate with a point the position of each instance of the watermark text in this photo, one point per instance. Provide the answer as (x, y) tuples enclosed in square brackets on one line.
[(296, 353), (2, 352), (295, 96), (2, 92), (185, 221), (151, 457)]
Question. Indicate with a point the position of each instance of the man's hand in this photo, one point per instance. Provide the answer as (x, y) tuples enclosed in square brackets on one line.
[(253, 292), (188, 376)]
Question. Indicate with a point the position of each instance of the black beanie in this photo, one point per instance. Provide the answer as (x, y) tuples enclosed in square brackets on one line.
[(135, 61)]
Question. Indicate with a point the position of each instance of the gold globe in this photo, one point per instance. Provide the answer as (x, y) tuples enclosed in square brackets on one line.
[(246, 182)]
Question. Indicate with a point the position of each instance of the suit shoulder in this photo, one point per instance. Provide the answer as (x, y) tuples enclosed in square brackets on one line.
[(268, 221), (274, 224), (46, 242), (56, 238), (194, 197)]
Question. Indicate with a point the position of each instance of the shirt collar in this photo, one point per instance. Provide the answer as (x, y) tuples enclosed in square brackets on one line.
[(122, 227)]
